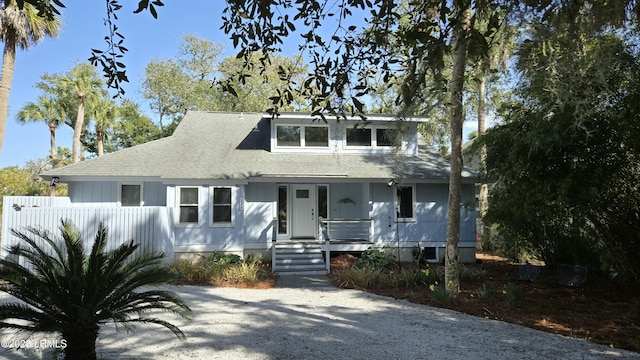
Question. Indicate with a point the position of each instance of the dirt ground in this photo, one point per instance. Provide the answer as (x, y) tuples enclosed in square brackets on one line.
[(598, 311)]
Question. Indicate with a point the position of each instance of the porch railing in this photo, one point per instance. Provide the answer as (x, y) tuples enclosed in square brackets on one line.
[(346, 229)]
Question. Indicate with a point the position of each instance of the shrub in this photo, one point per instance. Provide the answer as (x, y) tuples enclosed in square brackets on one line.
[(375, 258), (246, 272), (221, 258)]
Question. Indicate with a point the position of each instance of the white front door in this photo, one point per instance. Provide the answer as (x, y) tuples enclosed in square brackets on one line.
[(303, 211)]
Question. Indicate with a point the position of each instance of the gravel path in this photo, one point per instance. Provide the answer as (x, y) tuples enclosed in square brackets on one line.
[(314, 320)]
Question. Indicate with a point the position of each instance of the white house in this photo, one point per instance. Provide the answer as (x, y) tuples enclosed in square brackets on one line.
[(251, 184)]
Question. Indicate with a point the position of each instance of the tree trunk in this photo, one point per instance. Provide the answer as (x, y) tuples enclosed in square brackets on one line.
[(52, 143), (100, 141), (6, 79), (482, 197), (452, 259), (81, 344), (77, 129)]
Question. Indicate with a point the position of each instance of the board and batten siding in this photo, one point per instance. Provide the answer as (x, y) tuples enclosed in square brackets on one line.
[(147, 226), (429, 227), (206, 236), (260, 206)]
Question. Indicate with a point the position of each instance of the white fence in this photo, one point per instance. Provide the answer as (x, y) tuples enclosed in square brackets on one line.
[(151, 227)]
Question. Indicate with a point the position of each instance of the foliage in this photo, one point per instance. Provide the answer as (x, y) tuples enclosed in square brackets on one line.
[(132, 128), (375, 258), (220, 268), (21, 26), (222, 258), (565, 167), (441, 293), (66, 290), (188, 82)]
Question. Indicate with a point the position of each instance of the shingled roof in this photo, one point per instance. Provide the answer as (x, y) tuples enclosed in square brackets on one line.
[(234, 146)]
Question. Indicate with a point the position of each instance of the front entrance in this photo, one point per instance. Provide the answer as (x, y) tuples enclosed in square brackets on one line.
[(304, 221)]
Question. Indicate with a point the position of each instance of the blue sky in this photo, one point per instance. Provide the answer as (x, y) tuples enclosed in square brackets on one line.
[(83, 29)]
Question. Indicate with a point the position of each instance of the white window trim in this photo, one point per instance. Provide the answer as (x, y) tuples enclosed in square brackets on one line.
[(131, 183), (178, 204), (211, 204), (396, 206)]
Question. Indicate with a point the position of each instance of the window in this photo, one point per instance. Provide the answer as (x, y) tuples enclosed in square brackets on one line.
[(188, 203), (282, 209), (323, 203), (287, 135), (302, 136), (384, 137), (130, 195), (358, 137), (405, 200), (222, 210), (316, 136)]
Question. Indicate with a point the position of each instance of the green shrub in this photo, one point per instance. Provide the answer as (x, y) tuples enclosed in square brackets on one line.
[(221, 258), (375, 258)]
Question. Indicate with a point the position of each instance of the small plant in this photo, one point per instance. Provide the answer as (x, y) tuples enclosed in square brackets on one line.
[(486, 292), (246, 272), (375, 258), (440, 293), (365, 277), (513, 294), (432, 276)]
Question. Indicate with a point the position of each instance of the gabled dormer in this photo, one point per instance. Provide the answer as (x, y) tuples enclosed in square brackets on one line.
[(377, 135)]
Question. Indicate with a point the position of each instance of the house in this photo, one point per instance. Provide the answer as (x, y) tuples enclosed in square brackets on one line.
[(274, 187)]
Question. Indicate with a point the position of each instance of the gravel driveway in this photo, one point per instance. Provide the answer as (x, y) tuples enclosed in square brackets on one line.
[(310, 319)]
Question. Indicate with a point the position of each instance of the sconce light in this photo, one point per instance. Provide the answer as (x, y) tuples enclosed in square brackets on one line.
[(392, 182), (54, 181)]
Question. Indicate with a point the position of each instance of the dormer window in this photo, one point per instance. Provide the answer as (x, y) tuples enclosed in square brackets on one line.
[(370, 137), (358, 137), (302, 136)]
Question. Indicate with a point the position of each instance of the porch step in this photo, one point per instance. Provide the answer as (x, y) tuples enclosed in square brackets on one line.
[(300, 258)]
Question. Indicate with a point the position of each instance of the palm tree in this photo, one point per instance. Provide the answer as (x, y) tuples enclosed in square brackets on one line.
[(19, 27), (84, 83), (64, 291), (49, 111), (104, 113)]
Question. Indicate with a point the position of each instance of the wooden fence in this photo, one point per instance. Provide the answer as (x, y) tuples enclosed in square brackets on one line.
[(150, 226)]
